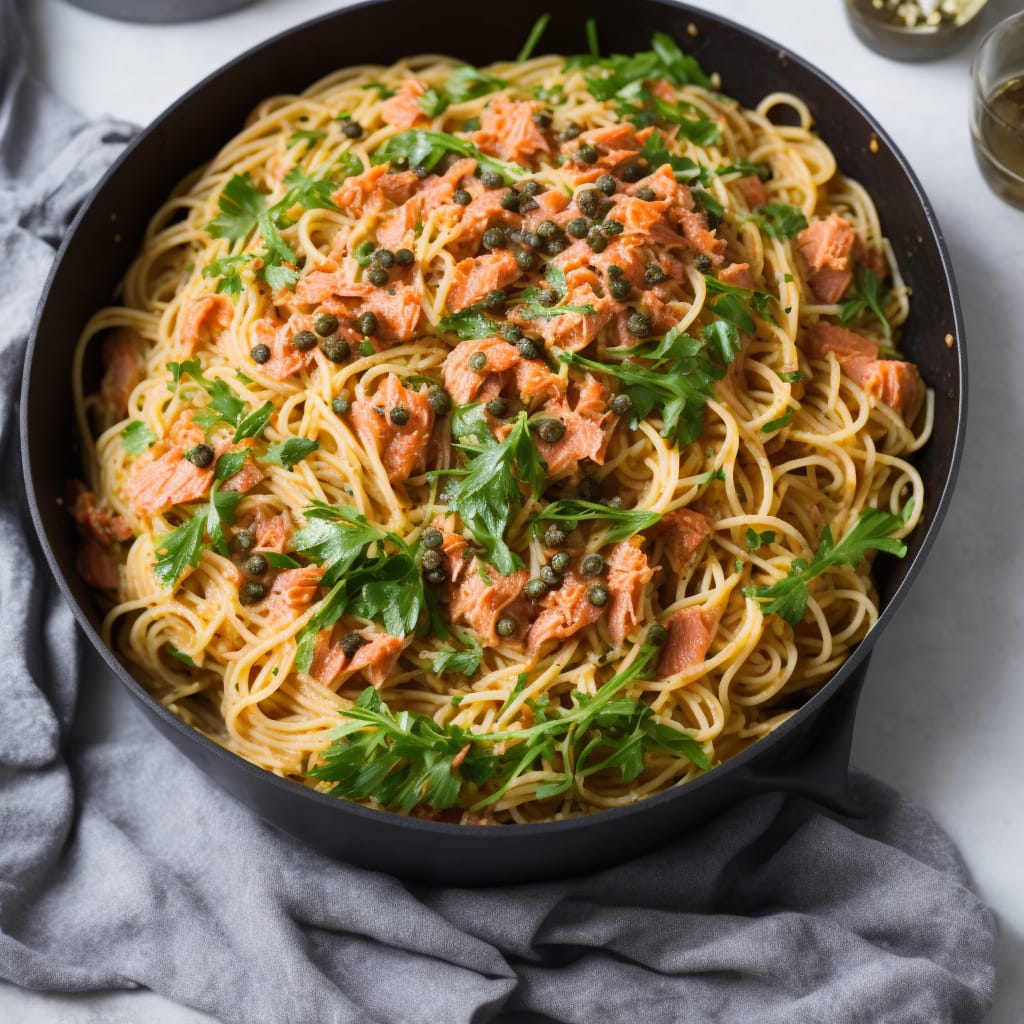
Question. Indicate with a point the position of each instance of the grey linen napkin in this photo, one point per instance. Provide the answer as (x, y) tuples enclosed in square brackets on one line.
[(121, 865)]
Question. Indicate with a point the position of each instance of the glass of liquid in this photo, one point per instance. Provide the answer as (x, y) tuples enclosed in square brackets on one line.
[(997, 110)]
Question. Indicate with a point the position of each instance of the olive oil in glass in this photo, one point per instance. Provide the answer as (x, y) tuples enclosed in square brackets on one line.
[(997, 111)]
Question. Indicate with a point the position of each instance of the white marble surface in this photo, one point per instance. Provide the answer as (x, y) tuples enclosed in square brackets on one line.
[(944, 707)]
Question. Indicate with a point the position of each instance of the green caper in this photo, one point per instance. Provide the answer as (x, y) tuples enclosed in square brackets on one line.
[(620, 289), (367, 323), (531, 188), (304, 341), (598, 595), (578, 227), (646, 194), (244, 540), (352, 129), (325, 323), (703, 264), (461, 197), (494, 298), (570, 131), (439, 400), (589, 489), (548, 229), (634, 169), (201, 456), (587, 153), (336, 349), (377, 276), (383, 258), (657, 635), (525, 260), (251, 592), (556, 245), (592, 565), (436, 576), (638, 324), (654, 275), (432, 560), (551, 578), (260, 353), (621, 404), (403, 257), (555, 536), (511, 200), (339, 406), (494, 238), (610, 228), (529, 349), (560, 561), (550, 431), (506, 626), (255, 565), (542, 119), (535, 588), (399, 415), (478, 362), (351, 642), (497, 407), (491, 179), (511, 332), (596, 239), (419, 170), (589, 200), (613, 271), (607, 184), (432, 538)]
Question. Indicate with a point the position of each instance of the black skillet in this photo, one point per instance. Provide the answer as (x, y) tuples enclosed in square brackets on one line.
[(810, 752)]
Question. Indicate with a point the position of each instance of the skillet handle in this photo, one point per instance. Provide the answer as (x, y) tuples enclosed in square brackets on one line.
[(819, 768)]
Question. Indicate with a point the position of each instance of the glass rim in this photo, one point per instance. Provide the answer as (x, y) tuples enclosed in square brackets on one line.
[(980, 96)]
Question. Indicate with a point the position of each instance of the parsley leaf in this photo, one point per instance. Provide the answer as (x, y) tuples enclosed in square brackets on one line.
[(223, 400), (182, 656), (678, 384), (470, 324), (243, 209), (872, 532), (336, 536), (755, 540), (486, 494), (253, 424), (137, 438), (179, 549), (627, 521), (684, 168), (652, 109), (779, 220), (307, 137), (426, 148), (745, 167), (868, 296), (291, 452), (733, 299), (407, 759), (465, 83), (465, 661), (280, 561), (228, 269), (383, 92), (469, 421)]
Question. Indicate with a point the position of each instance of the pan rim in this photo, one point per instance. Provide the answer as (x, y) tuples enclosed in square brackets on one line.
[(770, 743)]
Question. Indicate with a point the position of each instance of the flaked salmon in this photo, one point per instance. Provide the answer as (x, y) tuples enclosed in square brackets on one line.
[(690, 633), (628, 576), (395, 422)]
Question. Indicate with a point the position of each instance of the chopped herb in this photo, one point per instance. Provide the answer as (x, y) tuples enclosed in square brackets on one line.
[(745, 167), (779, 220), (679, 383), (791, 376), (291, 452), (486, 494), (652, 110), (305, 136), (184, 658), (626, 521), (425, 148), (137, 438), (684, 168), (228, 270), (280, 561), (872, 532), (757, 540), (533, 38), (867, 296), (465, 83), (408, 759), (782, 421), (470, 324), (179, 549), (253, 424), (452, 659), (383, 93)]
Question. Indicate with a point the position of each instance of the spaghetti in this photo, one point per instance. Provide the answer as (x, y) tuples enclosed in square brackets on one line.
[(552, 403)]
